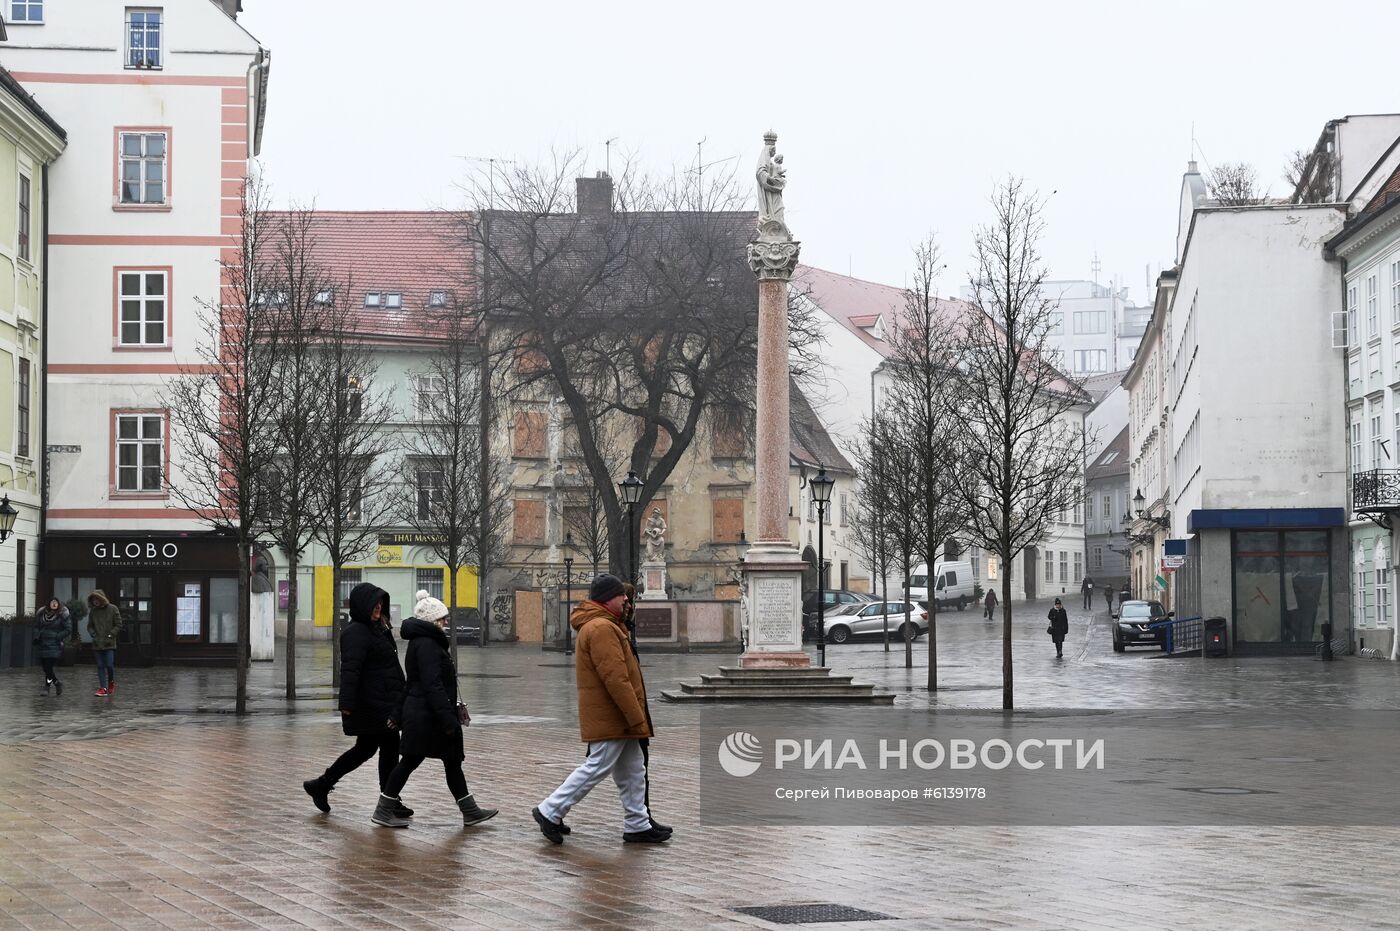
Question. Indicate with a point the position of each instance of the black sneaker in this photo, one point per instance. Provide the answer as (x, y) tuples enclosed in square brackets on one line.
[(649, 836), (550, 829), (318, 790)]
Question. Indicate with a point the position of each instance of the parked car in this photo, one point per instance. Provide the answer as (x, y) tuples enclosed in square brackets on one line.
[(832, 598), (952, 584), (1130, 625), (869, 620)]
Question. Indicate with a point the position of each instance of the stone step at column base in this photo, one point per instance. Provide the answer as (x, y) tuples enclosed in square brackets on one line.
[(814, 684)]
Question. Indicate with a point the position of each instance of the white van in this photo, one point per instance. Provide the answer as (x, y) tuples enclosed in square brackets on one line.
[(952, 584)]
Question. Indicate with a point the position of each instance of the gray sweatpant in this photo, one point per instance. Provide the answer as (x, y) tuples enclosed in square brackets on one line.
[(622, 758)]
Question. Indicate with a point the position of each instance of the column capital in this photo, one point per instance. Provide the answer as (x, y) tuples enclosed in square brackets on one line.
[(773, 260)]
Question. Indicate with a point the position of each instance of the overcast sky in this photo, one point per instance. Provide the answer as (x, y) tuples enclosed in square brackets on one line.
[(895, 118)]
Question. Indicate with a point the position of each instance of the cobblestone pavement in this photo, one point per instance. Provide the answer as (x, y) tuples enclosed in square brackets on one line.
[(157, 808)]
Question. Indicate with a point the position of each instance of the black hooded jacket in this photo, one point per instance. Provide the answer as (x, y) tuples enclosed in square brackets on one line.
[(430, 725), (371, 680)]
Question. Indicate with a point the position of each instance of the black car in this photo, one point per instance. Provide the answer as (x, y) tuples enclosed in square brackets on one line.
[(832, 598), (1131, 625)]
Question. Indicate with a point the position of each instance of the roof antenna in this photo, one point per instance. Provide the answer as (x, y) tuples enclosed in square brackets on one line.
[(607, 155)]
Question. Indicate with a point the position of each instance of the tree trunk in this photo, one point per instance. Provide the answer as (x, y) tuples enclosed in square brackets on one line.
[(243, 646), (1007, 702), (884, 589), (908, 642), (452, 612), (335, 622), (932, 640), (292, 563)]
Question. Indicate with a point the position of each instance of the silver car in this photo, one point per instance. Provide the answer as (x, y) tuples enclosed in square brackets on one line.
[(869, 620)]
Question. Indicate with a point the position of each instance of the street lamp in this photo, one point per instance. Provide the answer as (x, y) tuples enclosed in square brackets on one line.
[(7, 518), (568, 592), (631, 488), (821, 494), (1165, 521)]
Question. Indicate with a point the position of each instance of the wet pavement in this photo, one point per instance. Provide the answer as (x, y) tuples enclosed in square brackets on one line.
[(157, 808)]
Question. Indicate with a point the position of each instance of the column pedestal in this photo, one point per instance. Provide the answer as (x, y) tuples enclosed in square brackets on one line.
[(773, 605)]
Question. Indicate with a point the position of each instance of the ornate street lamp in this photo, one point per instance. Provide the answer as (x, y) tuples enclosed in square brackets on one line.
[(568, 592), (821, 494), (631, 488), (7, 518)]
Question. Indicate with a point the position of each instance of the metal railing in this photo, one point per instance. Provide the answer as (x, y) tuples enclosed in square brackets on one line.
[(1184, 634), (1376, 490)]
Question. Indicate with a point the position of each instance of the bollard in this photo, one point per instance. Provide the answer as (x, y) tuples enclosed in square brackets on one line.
[(1327, 641)]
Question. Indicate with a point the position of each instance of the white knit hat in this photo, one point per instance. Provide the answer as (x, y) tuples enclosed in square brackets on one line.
[(428, 608)]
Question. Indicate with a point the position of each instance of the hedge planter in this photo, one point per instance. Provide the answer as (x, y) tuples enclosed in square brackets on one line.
[(17, 645)]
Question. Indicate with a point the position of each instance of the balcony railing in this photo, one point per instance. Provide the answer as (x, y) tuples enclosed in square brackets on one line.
[(1375, 491)]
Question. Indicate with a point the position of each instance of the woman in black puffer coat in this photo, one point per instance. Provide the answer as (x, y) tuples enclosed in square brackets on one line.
[(371, 693), (433, 718), (52, 628)]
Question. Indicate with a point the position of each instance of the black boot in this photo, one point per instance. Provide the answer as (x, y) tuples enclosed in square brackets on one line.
[(550, 829), (402, 810), (57, 686), (658, 826), (319, 789), (384, 813), (473, 813), (649, 836)]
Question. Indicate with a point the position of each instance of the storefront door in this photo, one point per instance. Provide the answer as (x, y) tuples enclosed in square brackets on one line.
[(1282, 589), (135, 598)]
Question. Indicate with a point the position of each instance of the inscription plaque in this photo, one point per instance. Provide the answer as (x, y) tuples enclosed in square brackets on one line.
[(773, 611), (653, 623)]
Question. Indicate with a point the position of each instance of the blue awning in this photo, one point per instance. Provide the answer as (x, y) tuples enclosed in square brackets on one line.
[(1265, 519)]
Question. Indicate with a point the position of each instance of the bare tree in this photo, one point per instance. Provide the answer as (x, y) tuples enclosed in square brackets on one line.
[(1235, 184), (927, 397), (1022, 445), (219, 406), (351, 494), (874, 513), (640, 309), (301, 290), (1310, 175), (585, 516), (441, 494)]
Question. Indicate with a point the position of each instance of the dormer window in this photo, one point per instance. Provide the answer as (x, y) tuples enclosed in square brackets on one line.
[(437, 299), (393, 300), (324, 296), (372, 299), (143, 38)]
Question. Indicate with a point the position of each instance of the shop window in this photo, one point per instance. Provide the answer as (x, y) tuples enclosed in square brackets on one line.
[(223, 610), (1282, 586)]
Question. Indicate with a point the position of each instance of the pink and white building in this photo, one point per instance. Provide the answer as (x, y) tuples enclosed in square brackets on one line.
[(164, 104)]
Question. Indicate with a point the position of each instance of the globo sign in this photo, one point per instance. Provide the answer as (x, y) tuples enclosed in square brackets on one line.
[(135, 550)]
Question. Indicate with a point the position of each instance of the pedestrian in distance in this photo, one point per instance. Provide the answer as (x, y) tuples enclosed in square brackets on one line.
[(629, 620), (990, 603), (104, 623), (1086, 588), (371, 695), (1059, 628), (612, 715), (52, 628), (433, 717), (1108, 596)]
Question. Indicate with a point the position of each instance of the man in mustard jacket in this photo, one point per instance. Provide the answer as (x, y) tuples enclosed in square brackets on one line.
[(612, 714)]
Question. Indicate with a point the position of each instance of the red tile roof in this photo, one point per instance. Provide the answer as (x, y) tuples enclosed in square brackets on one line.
[(412, 253)]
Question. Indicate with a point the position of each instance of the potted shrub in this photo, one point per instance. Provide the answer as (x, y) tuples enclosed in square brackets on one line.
[(16, 636)]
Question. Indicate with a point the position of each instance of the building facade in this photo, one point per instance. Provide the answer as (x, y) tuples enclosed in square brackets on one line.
[(30, 141), (164, 107), (1106, 501), (1148, 475)]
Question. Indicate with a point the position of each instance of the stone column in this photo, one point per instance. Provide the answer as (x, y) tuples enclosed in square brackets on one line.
[(772, 566)]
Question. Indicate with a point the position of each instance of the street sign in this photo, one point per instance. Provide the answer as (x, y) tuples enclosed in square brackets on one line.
[(1173, 562)]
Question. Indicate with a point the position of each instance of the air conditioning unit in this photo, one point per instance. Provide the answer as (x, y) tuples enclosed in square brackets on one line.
[(1339, 329)]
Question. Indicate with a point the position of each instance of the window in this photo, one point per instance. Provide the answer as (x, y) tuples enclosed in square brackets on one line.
[(726, 519), (27, 11), (1351, 316), (429, 396), (1089, 508), (437, 299), (24, 379), (1089, 322), (1091, 360), (528, 437), (1395, 293), (142, 297), (1373, 366), (143, 159), (324, 296), (430, 484), (430, 581), (1049, 565), (140, 452), (1356, 464), (1377, 460), (1064, 565), (1382, 596), (845, 509), (1078, 506), (223, 610), (1078, 566), (1372, 307), (349, 578), (1354, 372), (393, 300), (354, 397), (528, 519), (355, 498), (1108, 512), (1057, 323), (1096, 559), (371, 298), (24, 220), (1395, 358), (143, 40)]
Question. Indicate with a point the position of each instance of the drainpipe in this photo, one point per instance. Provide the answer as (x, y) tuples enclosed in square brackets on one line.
[(44, 376)]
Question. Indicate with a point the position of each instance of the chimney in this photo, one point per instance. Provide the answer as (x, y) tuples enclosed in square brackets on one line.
[(595, 195)]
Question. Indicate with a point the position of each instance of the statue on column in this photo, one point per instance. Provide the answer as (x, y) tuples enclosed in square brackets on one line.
[(773, 252), (656, 537)]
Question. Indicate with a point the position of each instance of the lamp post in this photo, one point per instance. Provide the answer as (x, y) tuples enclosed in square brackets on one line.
[(568, 592), (7, 518), (631, 488), (821, 494)]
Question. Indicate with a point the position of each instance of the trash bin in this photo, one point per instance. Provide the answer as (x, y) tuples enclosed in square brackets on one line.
[(1215, 638)]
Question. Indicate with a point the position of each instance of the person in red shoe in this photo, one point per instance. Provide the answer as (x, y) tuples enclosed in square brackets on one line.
[(613, 719), (104, 623)]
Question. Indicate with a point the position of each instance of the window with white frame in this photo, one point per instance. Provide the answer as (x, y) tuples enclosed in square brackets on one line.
[(1395, 358), (393, 300), (1354, 372), (1049, 565), (1356, 464), (26, 11), (429, 485), (140, 452), (1078, 506), (1057, 323), (1396, 438), (437, 299), (23, 391), (1078, 566), (1090, 322), (1377, 457), (1108, 512), (1091, 360), (430, 581), (143, 305), (1351, 316), (1395, 293), (143, 168), (428, 396), (1373, 368), (25, 222), (143, 37), (1373, 314), (1089, 508), (349, 578), (845, 510), (1382, 596), (1096, 558), (371, 298), (1064, 565)]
